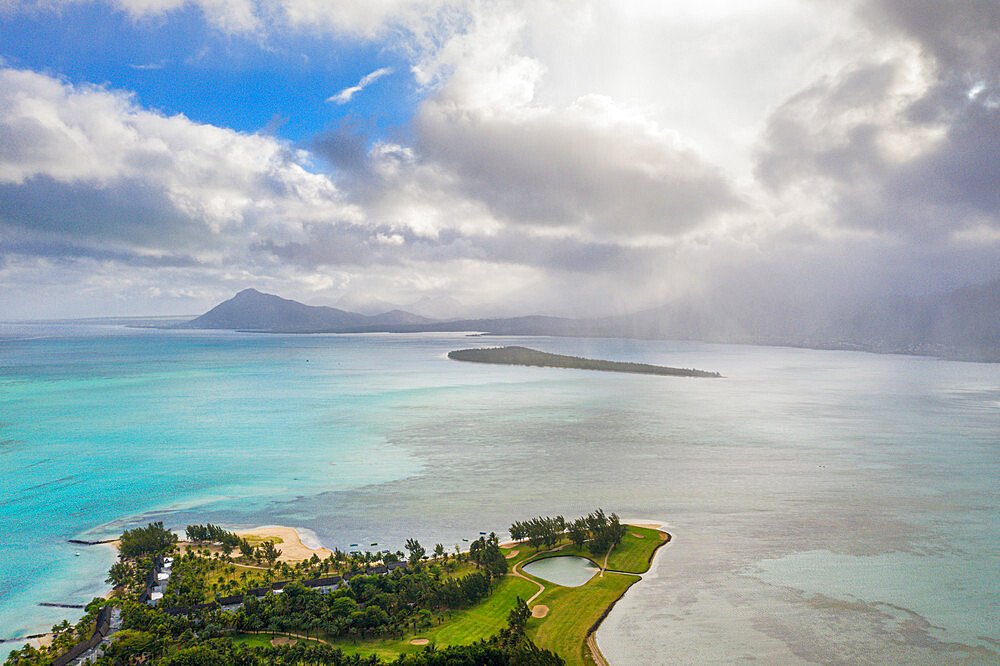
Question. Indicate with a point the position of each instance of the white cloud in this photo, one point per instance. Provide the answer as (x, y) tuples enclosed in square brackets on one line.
[(226, 183), (366, 18), (561, 150), (346, 94)]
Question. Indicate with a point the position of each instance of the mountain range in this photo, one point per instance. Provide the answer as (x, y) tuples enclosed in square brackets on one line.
[(961, 324), (251, 310)]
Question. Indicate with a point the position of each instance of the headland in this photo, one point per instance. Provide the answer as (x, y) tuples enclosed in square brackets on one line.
[(532, 357), (262, 593)]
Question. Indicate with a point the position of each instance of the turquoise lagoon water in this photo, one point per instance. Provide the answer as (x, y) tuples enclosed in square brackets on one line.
[(565, 571), (825, 506)]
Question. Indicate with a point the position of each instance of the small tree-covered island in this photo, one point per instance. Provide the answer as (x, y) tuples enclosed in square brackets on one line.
[(220, 597), (526, 356)]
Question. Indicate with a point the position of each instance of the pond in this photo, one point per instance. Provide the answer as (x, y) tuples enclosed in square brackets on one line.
[(565, 571)]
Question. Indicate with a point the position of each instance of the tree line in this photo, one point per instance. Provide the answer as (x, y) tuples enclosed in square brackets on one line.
[(596, 531), (230, 541)]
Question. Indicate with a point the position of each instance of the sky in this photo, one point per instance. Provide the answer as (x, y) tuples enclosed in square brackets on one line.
[(481, 157)]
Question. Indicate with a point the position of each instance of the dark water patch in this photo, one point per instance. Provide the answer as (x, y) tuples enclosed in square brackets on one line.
[(40, 462), (81, 542), (52, 604), (62, 482), (18, 639)]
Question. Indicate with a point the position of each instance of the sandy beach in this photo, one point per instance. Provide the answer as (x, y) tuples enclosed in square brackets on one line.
[(291, 546)]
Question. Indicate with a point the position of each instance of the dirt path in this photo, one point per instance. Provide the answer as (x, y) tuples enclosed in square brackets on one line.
[(541, 588), (595, 652), (604, 567), (285, 633)]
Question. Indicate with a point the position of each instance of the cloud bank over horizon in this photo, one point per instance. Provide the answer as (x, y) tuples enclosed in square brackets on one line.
[(586, 158)]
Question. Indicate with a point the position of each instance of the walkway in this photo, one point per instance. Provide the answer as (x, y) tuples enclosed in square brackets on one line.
[(285, 633), (541, 588)]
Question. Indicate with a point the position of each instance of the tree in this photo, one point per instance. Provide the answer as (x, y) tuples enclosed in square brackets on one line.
[(153, 539), (416, 551), (517, 531), (130, 644), (577, 531), (438, 551), (120, 574), (198, 655), (518, 617), (269, 552)]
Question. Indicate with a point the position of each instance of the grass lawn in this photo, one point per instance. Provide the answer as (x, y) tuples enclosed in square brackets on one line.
[(255, 540), (257, 640), (482, 620), (631, 555), (254, 578), (572, 611), (468, 626), (463, 569)]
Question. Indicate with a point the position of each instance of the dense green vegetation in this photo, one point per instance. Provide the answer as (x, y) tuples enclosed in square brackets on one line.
[(144, 541), (461, 608), (598, 531), (377, 605), (526, 356), (573, 611), (64, 636)]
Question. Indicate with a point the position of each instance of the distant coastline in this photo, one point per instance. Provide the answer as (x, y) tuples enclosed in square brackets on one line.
[(533, 357), (950, 326)]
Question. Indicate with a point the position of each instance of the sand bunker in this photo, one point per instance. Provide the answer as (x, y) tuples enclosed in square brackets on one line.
[(512, 554), (638, 536), (539, 611), (283, 640), (419, 641)]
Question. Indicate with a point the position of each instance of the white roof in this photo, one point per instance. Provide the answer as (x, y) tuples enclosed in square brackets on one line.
[(156, 596), (162, 576)]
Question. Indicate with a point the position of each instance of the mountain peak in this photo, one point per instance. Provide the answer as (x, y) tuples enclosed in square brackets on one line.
[(257, 311)]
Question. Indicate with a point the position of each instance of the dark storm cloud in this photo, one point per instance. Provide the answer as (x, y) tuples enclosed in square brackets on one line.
[(963, 35), (124, 212), (794, 145), (336, 244), (65, 251), (575, 167), (344, 146), (839, 134), (964, 170), (354, 245)]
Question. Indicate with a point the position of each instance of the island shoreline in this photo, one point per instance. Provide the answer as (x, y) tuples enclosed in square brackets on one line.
[(299, 551), (591, 640)]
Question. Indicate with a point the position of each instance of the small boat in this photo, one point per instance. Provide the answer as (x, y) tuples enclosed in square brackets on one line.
[(76, 554), (354, 544), (483, 533), (464, 539), (375, 543)]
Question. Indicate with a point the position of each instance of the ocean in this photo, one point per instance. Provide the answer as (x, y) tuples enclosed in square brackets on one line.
[(826, 506)]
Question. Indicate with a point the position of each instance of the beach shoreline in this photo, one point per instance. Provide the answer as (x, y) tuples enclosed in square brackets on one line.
[(292, 547), (667, 538)]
